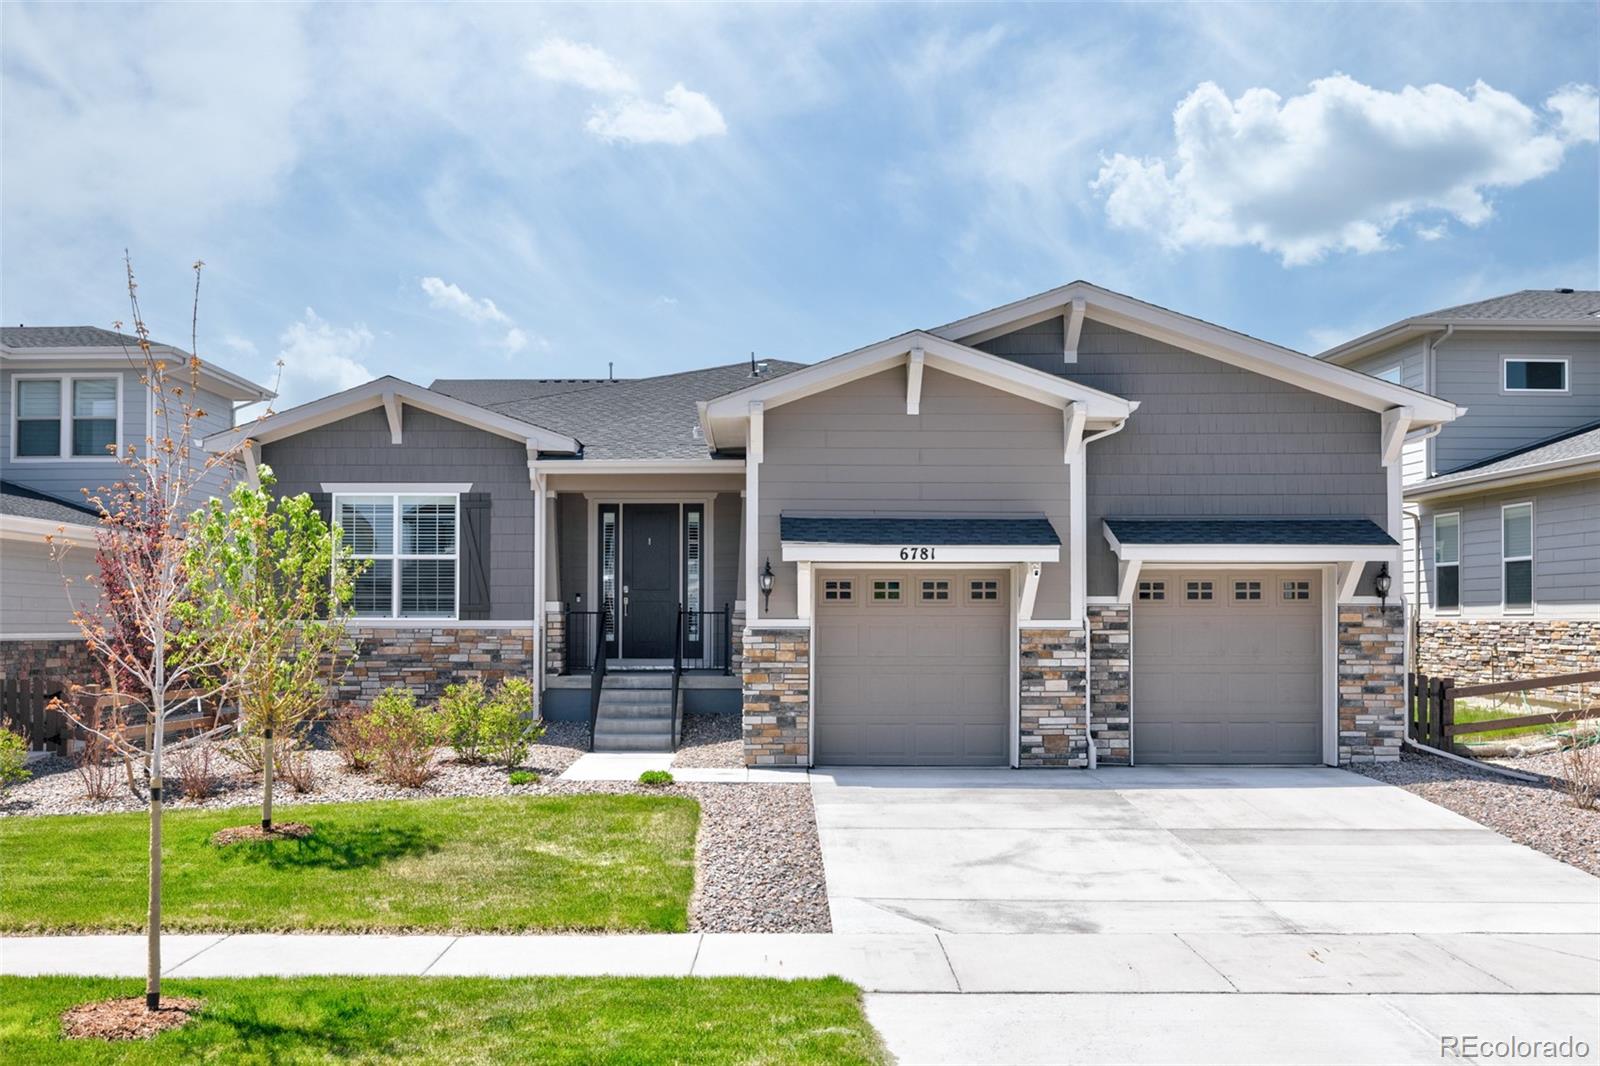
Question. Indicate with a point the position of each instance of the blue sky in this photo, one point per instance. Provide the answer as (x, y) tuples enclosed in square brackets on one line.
[(538, 191)]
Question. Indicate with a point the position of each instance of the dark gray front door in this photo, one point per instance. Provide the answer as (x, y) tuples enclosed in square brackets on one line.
[(649, 579)]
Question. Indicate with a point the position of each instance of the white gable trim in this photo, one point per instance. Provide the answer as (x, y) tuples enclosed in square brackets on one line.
[(1202, 338), (389, 393)]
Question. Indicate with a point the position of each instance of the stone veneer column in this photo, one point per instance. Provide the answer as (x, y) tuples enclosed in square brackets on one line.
[(1110, 667), (1372, 683), (1481, 652), (426, 659), (736, 651), (777, 697), (555, 641), (1052, 727)]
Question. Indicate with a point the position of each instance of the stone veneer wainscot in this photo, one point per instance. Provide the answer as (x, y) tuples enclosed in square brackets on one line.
[(776, 666), (427, 658), (1052, 726), (57, 659), (1372, 683), (1483, 651)]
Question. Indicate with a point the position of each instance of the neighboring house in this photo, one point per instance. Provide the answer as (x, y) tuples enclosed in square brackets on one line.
[(1507, 498), (1076, 529), (67, 393)]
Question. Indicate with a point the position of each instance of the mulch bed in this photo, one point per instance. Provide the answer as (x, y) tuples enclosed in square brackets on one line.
[(241, 833), (126, 1018)]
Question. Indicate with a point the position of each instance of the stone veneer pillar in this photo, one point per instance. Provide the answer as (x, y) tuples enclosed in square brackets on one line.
[(1372, 683), (1051, 703), (1110, 668), (1483, 651), (776, 668), (555, 641)]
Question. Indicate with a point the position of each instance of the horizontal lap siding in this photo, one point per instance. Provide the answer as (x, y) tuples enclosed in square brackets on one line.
[(1467, 371), (1208, 439), (435, 450), (37, 598), (972, 450)]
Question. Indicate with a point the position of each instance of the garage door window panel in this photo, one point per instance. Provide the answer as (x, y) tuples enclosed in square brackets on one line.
[(1199, 590), (1153, 591), (1247, 591), (1293, 589), (983, 589), (934, 591), (839, 590), (887, 592)]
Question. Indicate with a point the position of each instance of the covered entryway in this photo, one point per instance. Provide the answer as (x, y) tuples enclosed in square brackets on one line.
[(912, 667), (1227, 666)]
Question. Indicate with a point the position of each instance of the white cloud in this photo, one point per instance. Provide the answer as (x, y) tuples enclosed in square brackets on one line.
[(1337, 167), (683, 116), (449, 297), (583, 65), (318, 358), (514, 341)]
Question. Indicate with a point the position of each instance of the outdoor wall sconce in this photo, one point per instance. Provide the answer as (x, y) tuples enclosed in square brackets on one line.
[(1381, 584), (766, 585)]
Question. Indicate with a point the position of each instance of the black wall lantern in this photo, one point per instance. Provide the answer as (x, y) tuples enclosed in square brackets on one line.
[(1382, 583), (766, 585)]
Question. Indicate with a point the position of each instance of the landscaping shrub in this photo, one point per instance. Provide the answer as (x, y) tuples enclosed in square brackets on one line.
[(1580, 768), (297, 768), (403, 736), (463, 709), (655, 777), (523, 777), (95, 759), (350, 740), (13, 760), (197, 777), (508, 725)]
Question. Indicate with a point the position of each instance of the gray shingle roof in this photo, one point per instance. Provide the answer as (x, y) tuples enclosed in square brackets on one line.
[(27, 503), (1340, 531), (1551, 305), (637, 418), (65, 337), (489, 391), (1574, 444), (918, 529)]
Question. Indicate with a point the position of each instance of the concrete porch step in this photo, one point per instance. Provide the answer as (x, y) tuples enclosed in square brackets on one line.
[(605, 740), (618, 682), (655, 723)]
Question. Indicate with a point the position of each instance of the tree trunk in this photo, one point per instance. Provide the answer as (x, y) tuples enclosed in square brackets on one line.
[(158, 727), (266, 779)]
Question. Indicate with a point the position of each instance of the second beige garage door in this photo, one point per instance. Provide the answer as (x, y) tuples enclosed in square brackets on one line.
[(1227, 667), (912, 669)]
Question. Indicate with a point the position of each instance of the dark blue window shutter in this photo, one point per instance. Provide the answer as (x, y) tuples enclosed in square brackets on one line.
[(475, 599), (323, 502)]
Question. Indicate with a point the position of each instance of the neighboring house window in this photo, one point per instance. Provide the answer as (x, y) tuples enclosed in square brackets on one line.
[(1447, 562), (1390, 374), (1535, 375), (838, 590), (1153, 590), (1516, 556), (68, 416), (410, 541)]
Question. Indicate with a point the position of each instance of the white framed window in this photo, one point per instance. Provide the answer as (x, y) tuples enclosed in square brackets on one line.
[(1247, 591), (934, 590), (1447, 561), (839, 590), (983, 589), (887, 590), (1199, 590), (71, 416), (1153, 591), (1523, 374), (1516, 556), (412, 543), (1295, 588), (1391, 374)]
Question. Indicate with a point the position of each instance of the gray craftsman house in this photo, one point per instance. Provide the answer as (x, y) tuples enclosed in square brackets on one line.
[(1502, 538), (1076, 529)]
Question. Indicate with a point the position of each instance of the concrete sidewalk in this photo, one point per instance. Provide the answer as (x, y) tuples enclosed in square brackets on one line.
[(627, 766), (969, 963)]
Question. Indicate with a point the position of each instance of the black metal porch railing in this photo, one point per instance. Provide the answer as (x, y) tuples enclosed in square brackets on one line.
[(582, 636), (597, 680), (705, 639)]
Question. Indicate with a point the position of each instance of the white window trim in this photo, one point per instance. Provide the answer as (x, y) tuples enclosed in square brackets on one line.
[(1566, 375), (397, 557), (1397, 369), (1433, 593), (64, 455), (1533, 598)]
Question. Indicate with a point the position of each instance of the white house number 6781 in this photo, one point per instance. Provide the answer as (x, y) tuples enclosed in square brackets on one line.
[(921, 554)]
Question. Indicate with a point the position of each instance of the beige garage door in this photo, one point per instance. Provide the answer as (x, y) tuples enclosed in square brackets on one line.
[(1227, 667), (911, 668)]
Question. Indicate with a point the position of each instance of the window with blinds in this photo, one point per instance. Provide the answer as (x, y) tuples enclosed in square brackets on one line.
[(410, 544), (1516, 556)]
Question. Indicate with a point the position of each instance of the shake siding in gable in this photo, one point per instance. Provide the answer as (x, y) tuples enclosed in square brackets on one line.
[(1207, 439), (854, 450), (1412, 358), (436, 450)]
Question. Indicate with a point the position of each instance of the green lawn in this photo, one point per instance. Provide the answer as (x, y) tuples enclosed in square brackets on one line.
[(549, 1020), (1474, 711), (509, 864)]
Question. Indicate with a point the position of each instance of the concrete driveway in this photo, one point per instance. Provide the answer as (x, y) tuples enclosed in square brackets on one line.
[(1268, 915)]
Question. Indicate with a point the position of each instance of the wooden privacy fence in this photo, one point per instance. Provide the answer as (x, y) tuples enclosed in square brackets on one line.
[(25, 709), (1433, 706)]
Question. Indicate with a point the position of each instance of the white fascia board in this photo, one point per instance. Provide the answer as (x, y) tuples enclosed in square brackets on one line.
[(375, 393), (579, 467), (1493, 482), (1204, 338), (213, 378), (1409, 329), (1252, 554), (802, 551), (21, 527)]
